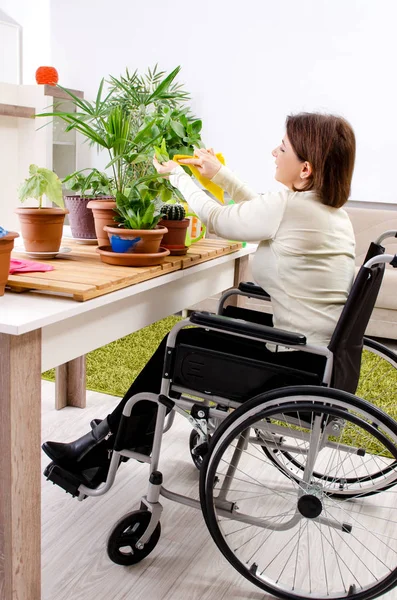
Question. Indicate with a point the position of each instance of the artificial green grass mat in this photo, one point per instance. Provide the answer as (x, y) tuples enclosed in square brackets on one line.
[(113, 368), (378, 383)]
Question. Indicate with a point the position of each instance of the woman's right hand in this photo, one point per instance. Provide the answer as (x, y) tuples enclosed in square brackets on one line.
[(205, 161)]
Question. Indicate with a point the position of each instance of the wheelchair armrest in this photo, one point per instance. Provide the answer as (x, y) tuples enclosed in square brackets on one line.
[(253, 330), (249, 287)]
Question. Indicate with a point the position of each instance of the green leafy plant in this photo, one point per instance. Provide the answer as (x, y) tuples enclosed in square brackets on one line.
[(160, 119), (104, 125), (42, 182), (161, 152), (141, 208), (136, 114), (95, 183)]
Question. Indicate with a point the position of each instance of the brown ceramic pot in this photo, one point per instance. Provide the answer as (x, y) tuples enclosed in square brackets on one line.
[(104, 213), (176, 235), (150, 238), (6, 246), (42, 228)]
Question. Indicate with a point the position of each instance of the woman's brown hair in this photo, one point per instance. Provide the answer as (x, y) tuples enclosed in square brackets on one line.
[(328, 143)]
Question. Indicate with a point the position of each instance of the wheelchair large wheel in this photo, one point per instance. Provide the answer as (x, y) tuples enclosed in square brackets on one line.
[(291, 538), (378, 385)]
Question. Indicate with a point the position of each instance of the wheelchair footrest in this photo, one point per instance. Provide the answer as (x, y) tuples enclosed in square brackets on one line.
[(64, 479)]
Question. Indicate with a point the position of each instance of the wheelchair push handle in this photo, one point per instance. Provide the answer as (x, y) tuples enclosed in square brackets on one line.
[(390, 259), (387, 234)]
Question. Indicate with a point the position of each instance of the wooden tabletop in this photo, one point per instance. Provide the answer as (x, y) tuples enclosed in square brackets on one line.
[(82, 275)]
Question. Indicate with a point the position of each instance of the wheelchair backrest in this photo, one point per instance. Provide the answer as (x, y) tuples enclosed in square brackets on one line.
[(347, 340)]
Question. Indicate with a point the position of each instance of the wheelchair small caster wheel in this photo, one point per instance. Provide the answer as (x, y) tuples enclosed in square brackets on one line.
[(197, 452), (122, 541)]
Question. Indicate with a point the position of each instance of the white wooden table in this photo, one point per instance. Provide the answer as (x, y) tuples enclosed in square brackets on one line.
[(38, 332)]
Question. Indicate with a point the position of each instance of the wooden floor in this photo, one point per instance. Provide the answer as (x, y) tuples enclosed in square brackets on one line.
[(185, 563)]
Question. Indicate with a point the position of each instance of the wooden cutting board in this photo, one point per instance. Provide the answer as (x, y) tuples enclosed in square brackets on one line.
[(82, 275)]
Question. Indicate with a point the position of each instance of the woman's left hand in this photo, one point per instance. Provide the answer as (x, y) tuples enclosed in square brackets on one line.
[(165, 167)]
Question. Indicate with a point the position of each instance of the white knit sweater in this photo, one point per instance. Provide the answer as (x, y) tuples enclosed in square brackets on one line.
[(305, 259)]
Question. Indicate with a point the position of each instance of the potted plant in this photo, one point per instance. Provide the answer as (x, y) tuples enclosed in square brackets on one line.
[(125, 131), (6, 246), (88, 186), (42, 227), (139, 215), (173, 216), (136, 113)]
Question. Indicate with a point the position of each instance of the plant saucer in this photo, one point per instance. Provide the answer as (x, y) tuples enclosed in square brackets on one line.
[(181, 251), (41, 255), (132, 259), (91, 241)]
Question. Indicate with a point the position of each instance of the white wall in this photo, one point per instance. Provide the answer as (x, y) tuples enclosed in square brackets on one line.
[(10, 50), (248, 64), (22, 143), (34, 17)]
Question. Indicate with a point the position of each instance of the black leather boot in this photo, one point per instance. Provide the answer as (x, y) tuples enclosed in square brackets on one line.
[(83, 452)]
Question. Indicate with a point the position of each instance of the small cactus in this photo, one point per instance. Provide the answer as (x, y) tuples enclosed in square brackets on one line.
[(173, 212)]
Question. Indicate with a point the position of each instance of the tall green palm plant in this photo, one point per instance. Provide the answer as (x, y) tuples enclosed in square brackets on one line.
[(128, 121), (103, 125)]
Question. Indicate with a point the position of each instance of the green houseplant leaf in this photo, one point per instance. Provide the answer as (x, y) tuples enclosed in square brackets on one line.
[(42, 181), (52, 187)]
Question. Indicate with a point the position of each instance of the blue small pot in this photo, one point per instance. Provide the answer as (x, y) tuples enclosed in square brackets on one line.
[(121, 245)]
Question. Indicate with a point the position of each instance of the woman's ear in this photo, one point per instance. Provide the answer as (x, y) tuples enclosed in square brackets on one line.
[(306, 170)]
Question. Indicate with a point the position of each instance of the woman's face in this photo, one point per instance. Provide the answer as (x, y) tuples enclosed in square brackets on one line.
[(289, 169)]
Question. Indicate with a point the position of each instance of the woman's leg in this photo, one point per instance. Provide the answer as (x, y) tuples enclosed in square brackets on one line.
[(85, 451), (148, 380)]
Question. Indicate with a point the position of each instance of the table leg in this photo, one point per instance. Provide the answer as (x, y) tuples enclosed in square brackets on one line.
[(70, 384), (240, 274), (20, 474)]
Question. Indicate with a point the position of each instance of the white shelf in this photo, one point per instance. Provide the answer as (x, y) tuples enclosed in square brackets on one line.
[(64, 143), (12, 110)]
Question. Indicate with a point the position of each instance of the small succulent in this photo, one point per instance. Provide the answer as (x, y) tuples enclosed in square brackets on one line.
[(173, 212)]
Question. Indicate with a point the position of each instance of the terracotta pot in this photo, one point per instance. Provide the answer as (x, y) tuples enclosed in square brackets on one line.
[(150, 238), (104, 213), (6, 246), (176, 235), (42, 228)]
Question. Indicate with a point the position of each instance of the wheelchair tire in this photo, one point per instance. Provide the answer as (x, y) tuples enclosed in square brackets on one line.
[(292, 539), (378, 379), (123, 537)]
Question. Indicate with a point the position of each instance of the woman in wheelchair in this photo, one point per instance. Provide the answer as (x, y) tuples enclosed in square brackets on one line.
[(304, 260)]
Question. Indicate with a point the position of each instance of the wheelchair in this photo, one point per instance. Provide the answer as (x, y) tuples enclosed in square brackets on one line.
[(296, 483)]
